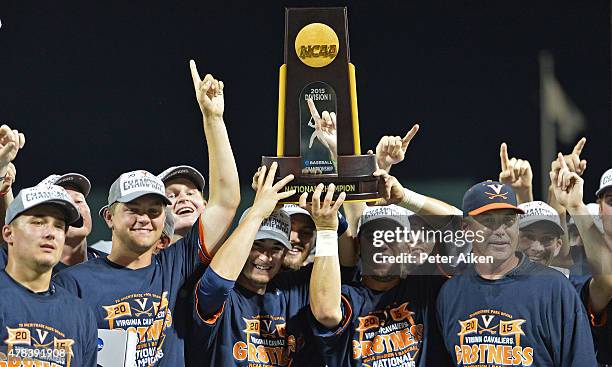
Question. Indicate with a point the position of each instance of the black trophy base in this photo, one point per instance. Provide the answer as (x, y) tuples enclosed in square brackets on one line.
[(354, 177)]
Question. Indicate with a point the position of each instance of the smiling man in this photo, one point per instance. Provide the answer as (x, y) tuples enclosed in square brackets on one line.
[(185, 190), (509, 311), (35, 329), (132, 288)]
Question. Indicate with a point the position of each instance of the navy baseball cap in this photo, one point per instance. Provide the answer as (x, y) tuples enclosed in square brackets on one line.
[(489, 195)]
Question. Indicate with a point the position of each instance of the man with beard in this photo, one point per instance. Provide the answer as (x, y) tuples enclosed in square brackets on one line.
[(383, 319), (185, 189), (42, 324), (505, 309), (595, 291)]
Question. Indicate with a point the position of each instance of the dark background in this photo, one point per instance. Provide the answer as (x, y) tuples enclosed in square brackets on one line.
[(104, 87)]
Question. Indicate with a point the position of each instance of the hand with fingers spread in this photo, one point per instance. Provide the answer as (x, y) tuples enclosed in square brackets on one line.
[(516, 173), (325, 214), (209, 93), (572, 160), (392, 149), (567, 185), (268, 194), (10, 142), (325, 128), (7, 182), (391, 191)]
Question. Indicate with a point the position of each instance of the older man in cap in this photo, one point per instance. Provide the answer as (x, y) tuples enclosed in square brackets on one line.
[(35, 327), (505, 309)]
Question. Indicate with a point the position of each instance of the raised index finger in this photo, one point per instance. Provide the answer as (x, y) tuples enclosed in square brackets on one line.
[(194, 74), (503, 156), (313, 110), (406, 139), (579, 146)]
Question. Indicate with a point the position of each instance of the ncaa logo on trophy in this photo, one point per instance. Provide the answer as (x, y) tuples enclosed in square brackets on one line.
[(318, 125)]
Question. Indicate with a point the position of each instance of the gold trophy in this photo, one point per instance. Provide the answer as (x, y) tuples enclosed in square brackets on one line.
[(318, 125)]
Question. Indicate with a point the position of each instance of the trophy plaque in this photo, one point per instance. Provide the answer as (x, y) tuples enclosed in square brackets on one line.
[(318, 126)]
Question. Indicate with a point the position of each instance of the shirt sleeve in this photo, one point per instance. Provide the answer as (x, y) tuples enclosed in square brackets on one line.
[(337, 340), (211, 292)]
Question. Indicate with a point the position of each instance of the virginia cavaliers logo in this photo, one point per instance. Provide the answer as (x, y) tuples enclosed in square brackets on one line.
[(37, 344), (496, 340), (266, 342), (498, 194)]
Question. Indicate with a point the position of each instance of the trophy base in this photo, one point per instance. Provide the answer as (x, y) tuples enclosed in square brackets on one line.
[(354, 177)]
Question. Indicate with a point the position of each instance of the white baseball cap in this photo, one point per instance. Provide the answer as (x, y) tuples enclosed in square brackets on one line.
[(605, 182), (393, 213), (276, 227), (39, 195), (76, 180), (538, 211)]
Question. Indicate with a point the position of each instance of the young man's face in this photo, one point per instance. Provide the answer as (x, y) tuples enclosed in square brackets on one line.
[(139, 223), (540, 241), (302, 229), (85, 230), (187, 203), (264, 262), (36, 237), (499, 233)]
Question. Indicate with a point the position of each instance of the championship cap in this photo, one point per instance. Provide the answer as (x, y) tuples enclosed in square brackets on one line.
[(538, 211), (187, 172), (276, 227), (39, 195), (489, 195), (132, 185), (605, 182), (392, 213), (75, 180)]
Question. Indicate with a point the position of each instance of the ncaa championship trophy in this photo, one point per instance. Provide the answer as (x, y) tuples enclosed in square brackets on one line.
[(318, 127)]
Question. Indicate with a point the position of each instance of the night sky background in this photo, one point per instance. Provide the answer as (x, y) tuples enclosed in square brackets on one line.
[(104, 87)]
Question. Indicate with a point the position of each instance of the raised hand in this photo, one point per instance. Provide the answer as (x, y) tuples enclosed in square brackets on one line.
[(268, 195), (391, 150), (572, 160), (325, 128), (324, 215), (10, 143), (567, 185), (209, 93), (7, 181), (516, 173), (391, 191)]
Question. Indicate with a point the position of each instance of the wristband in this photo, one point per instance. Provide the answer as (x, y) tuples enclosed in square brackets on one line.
[(327, 243), (342, 224), (412, 201)]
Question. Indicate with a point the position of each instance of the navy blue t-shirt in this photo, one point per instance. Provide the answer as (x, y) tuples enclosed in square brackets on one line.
[(53, 327), (91, 254), (3, 256), (249, 329), (142, 300), (530, 317), (396, 327), (601, 325)]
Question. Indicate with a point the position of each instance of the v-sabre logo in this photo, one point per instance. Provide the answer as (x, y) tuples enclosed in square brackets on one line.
[(317, 45)]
